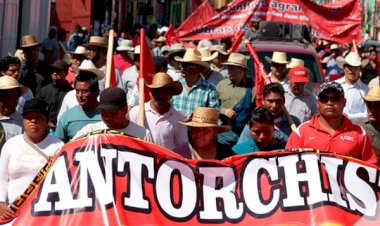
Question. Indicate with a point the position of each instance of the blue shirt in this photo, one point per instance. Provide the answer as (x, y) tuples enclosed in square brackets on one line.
[(250, 146)]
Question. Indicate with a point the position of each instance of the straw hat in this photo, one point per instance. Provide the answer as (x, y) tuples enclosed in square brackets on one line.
[(220, 49), (237, 59), (192, 56), (161, 39), (352, 59), (80, 50), (161, 80), (29, 41), (87, 65), (334, 46), (294, 62), (125, 45), (8, 82), (176, 48), (165, 50), (206, 117), (97, 41), (277, 57), (206, 54), (373, 94)]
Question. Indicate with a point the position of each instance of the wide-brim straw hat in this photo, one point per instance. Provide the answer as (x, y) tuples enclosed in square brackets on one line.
[(192, 56), (352, 59), (175, 48), (373, 94), (8, 82), (80, 50), (97, 41), (220, 49), (88, 65), (277, 57), (206, 117), (29, 41), (161, 80), (294, 62), (161, 39), (206, 54), (125, 45), (237, 59)]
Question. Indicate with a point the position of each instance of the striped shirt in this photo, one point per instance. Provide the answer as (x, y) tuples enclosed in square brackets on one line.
[(202, 94)]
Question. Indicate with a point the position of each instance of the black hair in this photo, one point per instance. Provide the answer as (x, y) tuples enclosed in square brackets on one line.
[(87, 76), (159, 62), (8, 60), (273, 87), (261, 115), (373, 50)]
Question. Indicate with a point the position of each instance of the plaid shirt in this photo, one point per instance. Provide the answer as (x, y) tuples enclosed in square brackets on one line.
[(202, 94)]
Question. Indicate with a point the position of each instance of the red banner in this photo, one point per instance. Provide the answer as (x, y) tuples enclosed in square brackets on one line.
[(110, 179), (339, 22)]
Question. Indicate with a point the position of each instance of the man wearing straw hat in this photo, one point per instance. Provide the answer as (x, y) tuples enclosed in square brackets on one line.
[(160, 117), (174, 68), (210, 75), (278, 64), (160, 42), (330, 61), (122, 59), (97, 53), (34, 73), (216, 63), (372, 123), (353, 87), (203, 129), (9, 117), (197, 92), (236, 93), (76, 59)]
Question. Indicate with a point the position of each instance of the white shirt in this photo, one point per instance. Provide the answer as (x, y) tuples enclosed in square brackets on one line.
[(19, 164), (129, 78), (118, 78), (175, 74), (69, 101), (355, 108), (132, 129), (28, 95)]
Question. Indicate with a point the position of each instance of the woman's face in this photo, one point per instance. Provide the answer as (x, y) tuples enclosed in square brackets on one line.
[(35, 124), (202, 136)]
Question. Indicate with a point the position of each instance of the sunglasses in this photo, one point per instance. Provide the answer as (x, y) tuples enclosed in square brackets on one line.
[(325, 99)]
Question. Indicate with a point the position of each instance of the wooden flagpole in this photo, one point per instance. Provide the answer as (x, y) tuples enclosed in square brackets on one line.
[(141, 80), (109, 58)]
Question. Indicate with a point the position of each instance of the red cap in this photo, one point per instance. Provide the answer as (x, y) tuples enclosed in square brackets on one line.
[(298, 74)]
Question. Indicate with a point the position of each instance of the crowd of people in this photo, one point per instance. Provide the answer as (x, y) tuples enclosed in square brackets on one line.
[(202, 102)]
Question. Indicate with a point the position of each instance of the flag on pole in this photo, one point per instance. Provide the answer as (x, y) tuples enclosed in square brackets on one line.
[(261, 76), (147, 69), (171, 36), (237, 41)]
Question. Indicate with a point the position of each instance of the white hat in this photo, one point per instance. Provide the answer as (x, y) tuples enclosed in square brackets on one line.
[(88, 65), (125, 45), (334, 46), (80, 50), (295, 62), (206, 54), (277, 57), (352, 59)]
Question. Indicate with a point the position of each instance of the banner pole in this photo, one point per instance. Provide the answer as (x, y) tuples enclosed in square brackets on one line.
[(109, 58), (141, 102), (141, 78)]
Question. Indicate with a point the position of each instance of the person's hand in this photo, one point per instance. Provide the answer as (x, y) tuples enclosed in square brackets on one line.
[(230, 113), (5, 212)]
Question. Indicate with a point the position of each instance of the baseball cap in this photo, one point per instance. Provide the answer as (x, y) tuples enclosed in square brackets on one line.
[(36, 105), (298, 74), (330, 85), (112, 99)]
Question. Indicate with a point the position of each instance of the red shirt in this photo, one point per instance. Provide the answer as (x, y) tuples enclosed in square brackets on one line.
[(70, 76), (349, 139), (122, 63)]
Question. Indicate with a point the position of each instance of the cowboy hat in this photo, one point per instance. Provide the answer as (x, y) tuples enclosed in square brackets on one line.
[(161, 80), (29, 41), (125, 45), (237, 59), (294, 62), (334, 46), (161, 39), (206, 54), (352, 59), (87, 65), (206, 117), (8, 82), (192, 56), (80, 50), (277, 57), (97, 41), (373, 94), (220, 49), (175, 48)]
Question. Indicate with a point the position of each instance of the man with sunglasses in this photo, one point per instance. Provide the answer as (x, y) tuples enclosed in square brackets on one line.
[(332, 131)]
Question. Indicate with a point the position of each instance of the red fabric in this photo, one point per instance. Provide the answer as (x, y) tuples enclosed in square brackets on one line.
[(70, 76), (202, 14), (171, 36), (147, 69), (261, 76), (136, 40), (122, 63), (339, 22), (349, 139), (237, 41)]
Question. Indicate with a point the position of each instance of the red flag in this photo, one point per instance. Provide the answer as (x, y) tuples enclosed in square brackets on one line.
[(261, 76), (237, 41), (113, 82), (135, 40), (170, 36), (147, 69)]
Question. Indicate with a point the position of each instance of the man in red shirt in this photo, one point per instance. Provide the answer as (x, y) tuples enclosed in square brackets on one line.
[(330, 130)]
